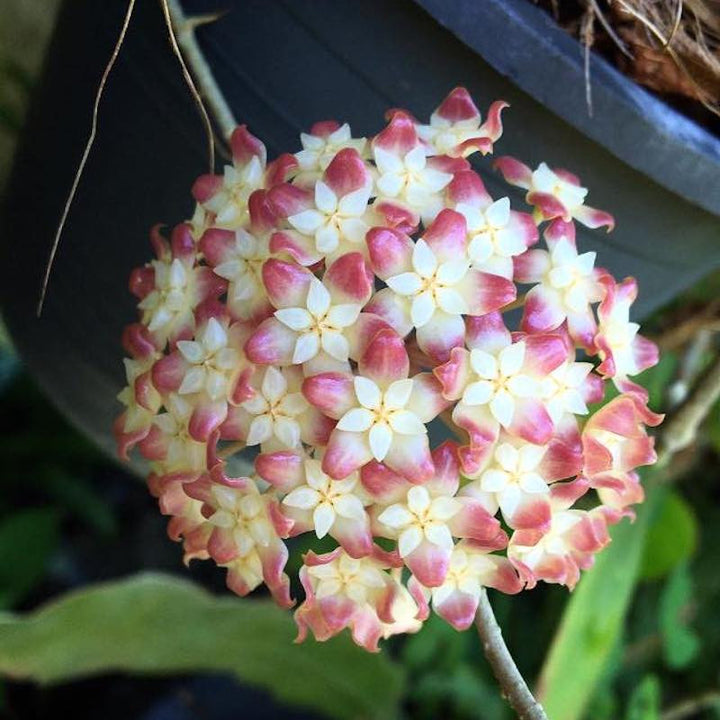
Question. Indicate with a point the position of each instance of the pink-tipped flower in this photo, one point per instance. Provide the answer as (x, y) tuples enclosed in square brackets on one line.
[(455, 128), (327, 310), (555, 193), (622, 350)]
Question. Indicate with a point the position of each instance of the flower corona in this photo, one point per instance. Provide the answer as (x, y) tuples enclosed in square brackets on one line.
[(331, 310)]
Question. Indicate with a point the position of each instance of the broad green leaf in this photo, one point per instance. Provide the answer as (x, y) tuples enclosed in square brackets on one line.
[(671, 537), (645, 701), (593, 618), (27, 538), (680, 644), (158, 624)]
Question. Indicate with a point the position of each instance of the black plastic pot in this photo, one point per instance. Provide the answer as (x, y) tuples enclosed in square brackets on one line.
[(283, 65)]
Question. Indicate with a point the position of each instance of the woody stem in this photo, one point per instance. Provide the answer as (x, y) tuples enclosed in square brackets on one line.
[(513, 686)]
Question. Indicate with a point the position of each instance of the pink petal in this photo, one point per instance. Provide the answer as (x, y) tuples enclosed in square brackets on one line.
[(559, 229), (347, 172), (141, 282), (397, 216), (206, 418), (531, 266), (244, 146), (399, 137), (137, 341), (514, 172), (475, 522), (390, 251), (315, 427), (458, 106), (393, 309), (458, 609), (548, 206), (467, 187), (454, 375), (271, 344), (168, 372), (332, 393), (447, 469), (216, 245), (346, 452), (531, 421), (274, 558), (286, 199), (280, 169), (532, 512), (385, 359), (485, 292), (300, 248), (283, 470), (384, 485), (487, 332), (206, 187), (262, 213), (544, 353), (543, 310), (349, 279), (409, 455), (429, 564), (426, 399), (363, 331), (440, 335), (353, 535), (492, 126), (286, 283), (447, 235), (593, 218)]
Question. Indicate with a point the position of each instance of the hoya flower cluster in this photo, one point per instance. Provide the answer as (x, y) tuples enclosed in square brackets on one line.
[(336, 309)]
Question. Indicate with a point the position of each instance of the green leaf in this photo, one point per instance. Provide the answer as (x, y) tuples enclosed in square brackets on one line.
[(593, 618), (27, 539), (680, 644), (645, 701), (671, 537), (158, 624)]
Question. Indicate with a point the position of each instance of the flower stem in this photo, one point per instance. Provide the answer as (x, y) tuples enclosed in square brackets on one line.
[(512, 684), (185, 30)]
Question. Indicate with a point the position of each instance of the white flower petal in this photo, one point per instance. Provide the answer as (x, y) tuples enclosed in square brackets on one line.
[(274, 385), (335, 344), (323, 519), (261, 430), (439, 534), (341, 316), (422, 309), (354, 203), (325, 199), (502, 406), (409, 540), (367, 392), (408, 283), (511, 358), (452, 302), (304, 498), (194, 381), (398, 393), (350, 507), (287, 431), (484, 364), (297, 319), (307, 221), (396, 516), (327, 238), (404, 422), (453, 271), (380, 439), (423, 259), (418, 499), (356, 420), (307, 347), (192, 351), (478, 393), (498, 214)]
